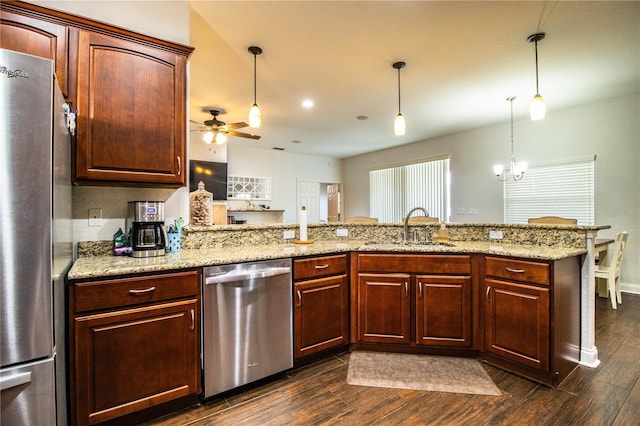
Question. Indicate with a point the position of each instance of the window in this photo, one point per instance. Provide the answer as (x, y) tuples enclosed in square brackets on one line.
[(396, 190), (248, 188), (565, 190)]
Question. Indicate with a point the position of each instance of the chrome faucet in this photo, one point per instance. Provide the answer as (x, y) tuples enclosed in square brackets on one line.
[(406, 222)]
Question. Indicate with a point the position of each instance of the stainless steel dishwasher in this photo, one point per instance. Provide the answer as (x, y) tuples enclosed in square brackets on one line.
[(247, 323)]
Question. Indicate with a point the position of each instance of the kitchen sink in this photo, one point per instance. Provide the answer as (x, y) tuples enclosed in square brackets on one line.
[(409, 243)]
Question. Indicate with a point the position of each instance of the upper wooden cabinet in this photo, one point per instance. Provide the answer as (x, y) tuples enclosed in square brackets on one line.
[(130, 91), (132, 121), (38, 38)]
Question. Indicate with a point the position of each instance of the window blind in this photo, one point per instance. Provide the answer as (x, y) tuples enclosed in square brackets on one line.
[(565, 190), (395, 190)]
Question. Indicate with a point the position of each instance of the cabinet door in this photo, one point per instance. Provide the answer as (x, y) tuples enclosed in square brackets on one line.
[(37, 38), (132, 120), (320, 315), (384, 308), (130, 360), (518, 323), (443, 311)]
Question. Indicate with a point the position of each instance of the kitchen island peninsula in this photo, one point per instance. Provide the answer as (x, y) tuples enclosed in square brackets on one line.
[(460, 298)]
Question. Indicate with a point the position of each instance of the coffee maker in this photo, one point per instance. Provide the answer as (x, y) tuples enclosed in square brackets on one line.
[(145, 219)]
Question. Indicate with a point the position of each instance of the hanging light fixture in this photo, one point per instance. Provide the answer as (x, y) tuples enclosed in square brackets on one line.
[(517, 169), (538, 109), (255, 116), (399, 124)]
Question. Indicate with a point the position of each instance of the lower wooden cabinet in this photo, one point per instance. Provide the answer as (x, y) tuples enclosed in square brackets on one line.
[(517, 323), (320, 312), (532, 316), (135, 356), (423, 300), (384, 308), (443, 311)]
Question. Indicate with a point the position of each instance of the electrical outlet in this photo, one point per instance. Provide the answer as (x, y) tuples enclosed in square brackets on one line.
[(473, 211), (495, 235), (95, 217), (462, 211), (342, 232), (289, 235)]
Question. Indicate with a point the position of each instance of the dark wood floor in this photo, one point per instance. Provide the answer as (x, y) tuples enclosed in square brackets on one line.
[(318, 395)]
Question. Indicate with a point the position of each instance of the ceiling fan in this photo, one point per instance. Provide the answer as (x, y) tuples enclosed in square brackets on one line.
[(218, 130)]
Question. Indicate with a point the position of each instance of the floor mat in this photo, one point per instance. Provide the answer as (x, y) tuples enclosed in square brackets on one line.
[(419, 372)]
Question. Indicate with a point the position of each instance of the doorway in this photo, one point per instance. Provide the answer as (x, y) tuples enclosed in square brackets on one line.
[(322, 200)]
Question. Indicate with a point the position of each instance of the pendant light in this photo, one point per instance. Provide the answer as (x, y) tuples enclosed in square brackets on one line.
[(517, 169), (538, 108), (255, 116), (399, 124)]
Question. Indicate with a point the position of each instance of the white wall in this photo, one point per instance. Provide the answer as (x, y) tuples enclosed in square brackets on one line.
[(284, 169), (608, 129)]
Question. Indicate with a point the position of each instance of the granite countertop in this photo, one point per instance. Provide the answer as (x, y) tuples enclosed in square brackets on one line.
[(110, 266)]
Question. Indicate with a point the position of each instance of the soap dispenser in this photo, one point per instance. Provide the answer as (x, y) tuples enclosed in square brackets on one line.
[(443, 233)]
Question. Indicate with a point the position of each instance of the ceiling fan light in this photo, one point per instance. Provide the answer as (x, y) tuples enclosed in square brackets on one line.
[(399, 125), (538, 108), (208, 137), (221, 138), (255, 116)]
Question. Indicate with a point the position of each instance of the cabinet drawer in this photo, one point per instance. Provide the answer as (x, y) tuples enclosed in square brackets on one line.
[(519, 270), (132, 291), (415, 263), (315, 267)]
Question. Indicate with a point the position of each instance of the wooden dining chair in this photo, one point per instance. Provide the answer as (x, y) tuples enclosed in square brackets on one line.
[(552, 220), (423, 219), (361, 219), (610, 272)]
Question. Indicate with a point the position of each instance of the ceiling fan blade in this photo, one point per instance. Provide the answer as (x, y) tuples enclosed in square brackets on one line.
[(199, 123), (238, 125), (242, 135)]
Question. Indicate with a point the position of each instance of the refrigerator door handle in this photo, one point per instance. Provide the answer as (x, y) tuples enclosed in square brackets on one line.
[(15, 380)]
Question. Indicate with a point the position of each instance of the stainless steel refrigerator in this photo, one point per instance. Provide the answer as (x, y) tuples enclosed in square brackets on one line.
[(35, 241)]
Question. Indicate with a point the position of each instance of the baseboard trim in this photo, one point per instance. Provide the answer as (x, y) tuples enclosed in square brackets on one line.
[(633, 288)]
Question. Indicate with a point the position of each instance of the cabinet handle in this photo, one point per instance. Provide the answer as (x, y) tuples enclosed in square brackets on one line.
[(179, 166), (138, 292), (420, 289), (193, 320), (322, 266), (515, 271), (299, 298), (488, 292), (406, 289)]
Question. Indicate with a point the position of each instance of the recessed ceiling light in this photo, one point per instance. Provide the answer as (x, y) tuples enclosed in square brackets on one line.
[(296, 141), (307, 103), (277, 148), (362, 117)]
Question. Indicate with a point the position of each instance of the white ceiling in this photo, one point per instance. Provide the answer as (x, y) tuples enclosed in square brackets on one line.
[(464, 58)]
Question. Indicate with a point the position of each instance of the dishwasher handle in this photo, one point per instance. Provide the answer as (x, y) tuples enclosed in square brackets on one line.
[(234, 276)]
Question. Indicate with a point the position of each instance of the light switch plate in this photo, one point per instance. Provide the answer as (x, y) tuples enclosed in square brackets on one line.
[(289, 235), (342, 232), (95, 217)]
